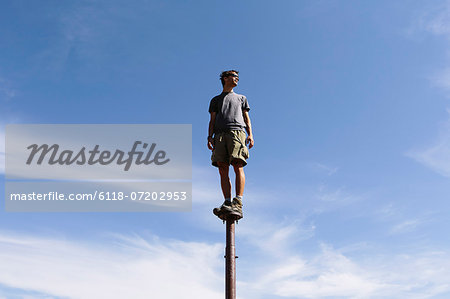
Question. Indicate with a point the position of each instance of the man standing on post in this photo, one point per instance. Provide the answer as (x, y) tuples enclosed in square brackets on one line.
[(227, 140)]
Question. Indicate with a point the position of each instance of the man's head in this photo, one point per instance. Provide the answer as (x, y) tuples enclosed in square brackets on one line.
[(231, 76)]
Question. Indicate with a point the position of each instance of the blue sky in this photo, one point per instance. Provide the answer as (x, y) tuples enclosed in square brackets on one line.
[(348, 182)]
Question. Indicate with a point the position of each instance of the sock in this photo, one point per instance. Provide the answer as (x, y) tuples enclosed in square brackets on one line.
[(239, 197), (228, 199)]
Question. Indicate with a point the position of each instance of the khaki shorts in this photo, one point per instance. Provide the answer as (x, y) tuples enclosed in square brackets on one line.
[(229, 147)]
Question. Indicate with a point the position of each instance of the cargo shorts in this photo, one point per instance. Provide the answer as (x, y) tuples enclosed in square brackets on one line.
[(229, 147)]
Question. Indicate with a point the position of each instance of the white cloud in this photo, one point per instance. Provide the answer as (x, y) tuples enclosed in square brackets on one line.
[(442, 79), (387, 211), (325, 194), (280, 268), (331, 274), (400, 220), (436, 19), (7, 92), (329, 170), (406, 226), (277, 239), (437, 155), (328, 199), (130, 267)]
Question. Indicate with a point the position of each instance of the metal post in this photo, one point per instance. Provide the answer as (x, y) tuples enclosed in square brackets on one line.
[(230, 262)]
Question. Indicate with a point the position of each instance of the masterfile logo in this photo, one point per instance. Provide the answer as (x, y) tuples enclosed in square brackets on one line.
[(80, 152), (101, 168), (91, 157)]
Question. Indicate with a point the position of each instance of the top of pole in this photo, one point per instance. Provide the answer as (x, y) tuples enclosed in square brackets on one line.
[(230, 216)]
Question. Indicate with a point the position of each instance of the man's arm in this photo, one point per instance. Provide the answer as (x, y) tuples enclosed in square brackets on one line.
[(212, 120), (248, 128)]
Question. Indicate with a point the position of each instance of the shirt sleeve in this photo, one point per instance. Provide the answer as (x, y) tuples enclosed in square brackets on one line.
[(213, 106), (245, 106)]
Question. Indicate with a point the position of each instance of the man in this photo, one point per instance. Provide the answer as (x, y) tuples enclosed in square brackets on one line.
[(227, 140)]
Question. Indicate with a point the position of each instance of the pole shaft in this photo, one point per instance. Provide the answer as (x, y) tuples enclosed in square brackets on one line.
[(230, 262)]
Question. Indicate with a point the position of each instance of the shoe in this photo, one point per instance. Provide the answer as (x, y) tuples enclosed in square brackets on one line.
[(226, 207), (236, 206)]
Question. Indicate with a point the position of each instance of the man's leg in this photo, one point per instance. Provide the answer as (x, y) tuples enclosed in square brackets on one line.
[(240, 178), (225, 182), (240, 183)]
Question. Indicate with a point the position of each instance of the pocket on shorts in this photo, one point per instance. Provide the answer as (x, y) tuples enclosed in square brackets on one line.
[(244, 152)]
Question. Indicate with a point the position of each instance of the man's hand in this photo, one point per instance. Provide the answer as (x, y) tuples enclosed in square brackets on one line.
[(212, 120), (210, 143), (249, 141)]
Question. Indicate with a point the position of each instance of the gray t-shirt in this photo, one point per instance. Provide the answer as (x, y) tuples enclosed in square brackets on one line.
[(229, 107)]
